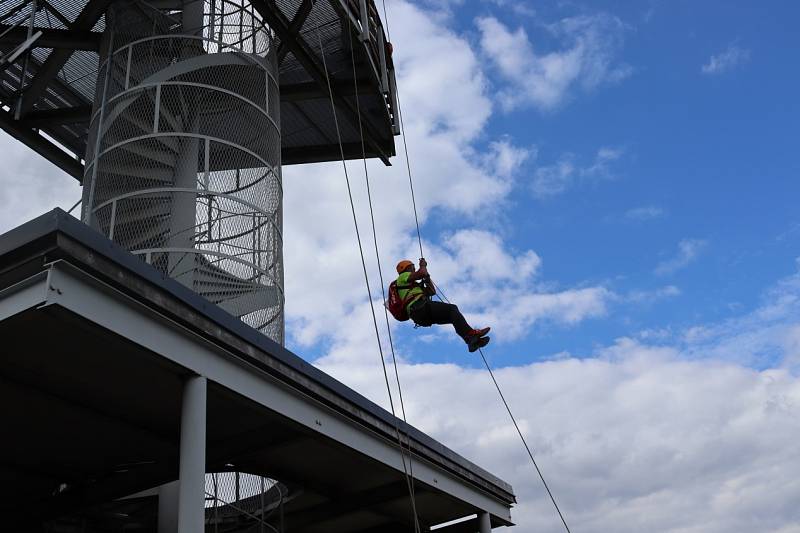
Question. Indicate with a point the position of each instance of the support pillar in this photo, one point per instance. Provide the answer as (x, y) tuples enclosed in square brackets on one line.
[(484, 523), (191, 493), (168, 507)]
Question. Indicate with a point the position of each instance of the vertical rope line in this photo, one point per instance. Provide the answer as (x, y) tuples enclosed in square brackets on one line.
[(408, 168), (443, 296), (366, 277), (405, 142), (378, 260)]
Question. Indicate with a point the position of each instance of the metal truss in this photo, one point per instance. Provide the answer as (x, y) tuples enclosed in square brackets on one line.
[(46, 92)]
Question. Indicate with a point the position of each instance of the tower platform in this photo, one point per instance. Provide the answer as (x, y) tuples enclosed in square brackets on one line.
[(110, 375), (50, 62)]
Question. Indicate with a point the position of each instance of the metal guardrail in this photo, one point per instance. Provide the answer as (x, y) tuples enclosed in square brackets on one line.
[(238, 501)]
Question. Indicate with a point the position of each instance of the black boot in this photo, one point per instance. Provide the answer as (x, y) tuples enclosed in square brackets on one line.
[(475, 343)]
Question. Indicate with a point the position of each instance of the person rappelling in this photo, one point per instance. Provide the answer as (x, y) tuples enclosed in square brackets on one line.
[(410, 297)]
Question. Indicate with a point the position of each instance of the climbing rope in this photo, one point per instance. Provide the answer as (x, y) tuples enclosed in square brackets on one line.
[(408, 168), (378, 260), (524, 442), (409, 481), (444, 298), (405, 143)]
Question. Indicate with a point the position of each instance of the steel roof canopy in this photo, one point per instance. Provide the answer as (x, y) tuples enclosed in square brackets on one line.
[(101, 300), (55, 50)]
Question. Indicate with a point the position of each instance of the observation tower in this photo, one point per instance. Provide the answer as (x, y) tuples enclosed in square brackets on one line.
[(142, 364), (176, 117)]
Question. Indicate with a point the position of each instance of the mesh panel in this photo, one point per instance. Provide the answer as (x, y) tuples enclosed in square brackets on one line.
[(237, 501), (183, 162)]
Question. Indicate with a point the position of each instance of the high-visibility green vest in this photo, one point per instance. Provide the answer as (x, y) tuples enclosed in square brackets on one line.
[(414, 293)]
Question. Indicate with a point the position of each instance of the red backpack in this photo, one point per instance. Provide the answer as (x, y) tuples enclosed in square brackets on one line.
[(397, 305)]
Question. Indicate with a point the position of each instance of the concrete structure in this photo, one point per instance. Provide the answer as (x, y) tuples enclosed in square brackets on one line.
[(123, 380), (142, 373)]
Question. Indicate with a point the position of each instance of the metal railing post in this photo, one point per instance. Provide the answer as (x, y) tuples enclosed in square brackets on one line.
[(98, 135), (24, 75), (113, 220), (382, 49), (364, 21)]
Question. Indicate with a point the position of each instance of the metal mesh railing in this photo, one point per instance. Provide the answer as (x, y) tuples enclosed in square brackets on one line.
[(183, 161), (237, 501)]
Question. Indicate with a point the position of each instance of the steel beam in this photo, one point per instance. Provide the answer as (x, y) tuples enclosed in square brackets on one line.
[(53, 38), (326, 152), (99, 303), (56, 117), (348, 503), (55, 12), (270, 12), (298, 92), (233, 452), (295, 26), (44, 147), (85, 21)]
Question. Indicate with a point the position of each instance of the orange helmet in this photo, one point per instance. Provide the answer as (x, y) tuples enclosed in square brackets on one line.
[(403, 265)]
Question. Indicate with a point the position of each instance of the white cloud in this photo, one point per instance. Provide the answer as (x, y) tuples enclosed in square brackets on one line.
[(507, 158), (603, 157), (791, 343), (762, 338), (476, 271), (31, 185), (730, 58), (440, 77), (688, 250), (552, 180), (647, 212), (518, 8), (459, 171), (545, 80), (639, 437), (652, 296)]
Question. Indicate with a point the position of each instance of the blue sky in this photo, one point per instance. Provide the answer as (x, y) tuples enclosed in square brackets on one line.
[(700, 156), (613, 187)]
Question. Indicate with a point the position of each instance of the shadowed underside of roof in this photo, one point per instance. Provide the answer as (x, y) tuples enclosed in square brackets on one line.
[(49, 110), (270, 413)]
